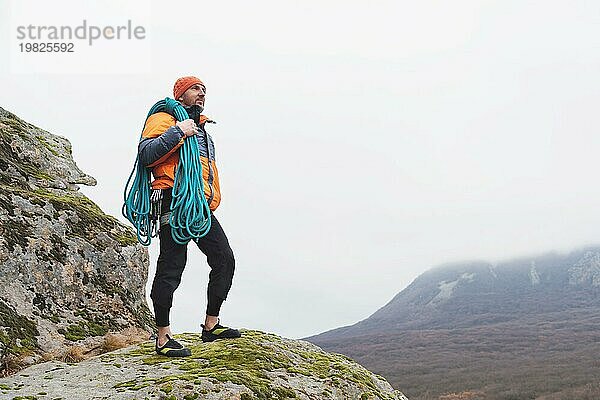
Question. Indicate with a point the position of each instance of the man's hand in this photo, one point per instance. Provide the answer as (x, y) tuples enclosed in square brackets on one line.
[(188, 127)]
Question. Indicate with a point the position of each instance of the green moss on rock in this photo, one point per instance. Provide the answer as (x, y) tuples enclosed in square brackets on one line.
[(15, 233), (249, 361), (19, 333), (126, 239), (8, 129), (91, 219), (168, 388), (84, 329), (47, 145)]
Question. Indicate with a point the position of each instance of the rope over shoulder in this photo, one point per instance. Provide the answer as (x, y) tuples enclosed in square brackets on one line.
[(190, 213)]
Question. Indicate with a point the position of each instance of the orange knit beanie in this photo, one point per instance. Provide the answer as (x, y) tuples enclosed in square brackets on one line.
[(183, 84)]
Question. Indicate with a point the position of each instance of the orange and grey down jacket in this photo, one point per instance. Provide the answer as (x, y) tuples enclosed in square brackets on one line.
[(158, 149)]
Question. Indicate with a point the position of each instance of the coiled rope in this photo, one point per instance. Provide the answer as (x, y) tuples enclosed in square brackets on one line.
[(190, 213)]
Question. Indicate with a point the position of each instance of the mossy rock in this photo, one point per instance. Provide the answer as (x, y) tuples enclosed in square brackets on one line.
[(250, 361), (91, 219), (257, 366), (10, 127), (18, 334)]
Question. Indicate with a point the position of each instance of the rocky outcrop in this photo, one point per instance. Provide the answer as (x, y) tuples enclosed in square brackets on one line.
[(586, 271), (255, 366), (68, 271)]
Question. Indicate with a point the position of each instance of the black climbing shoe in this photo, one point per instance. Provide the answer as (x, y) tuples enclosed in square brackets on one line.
[(219, 332), (172, 348)]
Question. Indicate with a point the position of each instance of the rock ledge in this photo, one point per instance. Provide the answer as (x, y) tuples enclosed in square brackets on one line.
[(256, 366)]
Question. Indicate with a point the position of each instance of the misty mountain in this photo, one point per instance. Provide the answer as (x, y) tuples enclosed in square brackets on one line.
[(496, 330)]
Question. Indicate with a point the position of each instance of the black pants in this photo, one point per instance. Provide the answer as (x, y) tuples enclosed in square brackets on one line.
[(171, 262)]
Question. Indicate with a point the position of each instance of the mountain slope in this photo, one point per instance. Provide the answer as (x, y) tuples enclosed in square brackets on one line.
[(526, 328)]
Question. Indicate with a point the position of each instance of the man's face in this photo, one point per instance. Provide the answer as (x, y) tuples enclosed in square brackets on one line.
[(194, 95)]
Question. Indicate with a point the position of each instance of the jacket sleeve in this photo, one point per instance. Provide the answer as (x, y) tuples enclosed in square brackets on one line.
[(160, 139)]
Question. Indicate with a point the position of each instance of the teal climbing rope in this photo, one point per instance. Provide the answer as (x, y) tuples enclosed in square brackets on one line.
[(190, 212)]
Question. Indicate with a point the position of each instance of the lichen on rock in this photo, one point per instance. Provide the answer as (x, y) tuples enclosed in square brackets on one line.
[(69, 272), (257, 366)]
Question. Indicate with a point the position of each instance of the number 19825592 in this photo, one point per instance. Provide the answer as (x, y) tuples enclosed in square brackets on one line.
[(46, 47)]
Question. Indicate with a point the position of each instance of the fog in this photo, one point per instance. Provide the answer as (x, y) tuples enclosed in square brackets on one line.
[(358, 144)]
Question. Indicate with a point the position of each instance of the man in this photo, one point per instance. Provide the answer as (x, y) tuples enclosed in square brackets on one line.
[(161, 139)]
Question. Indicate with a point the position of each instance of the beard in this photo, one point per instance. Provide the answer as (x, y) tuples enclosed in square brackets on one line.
[(194, 112)]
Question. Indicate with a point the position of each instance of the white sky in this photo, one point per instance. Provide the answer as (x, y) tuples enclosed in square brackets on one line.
[(358, 143)]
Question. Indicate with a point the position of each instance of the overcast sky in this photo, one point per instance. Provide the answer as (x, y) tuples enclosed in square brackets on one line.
[(358, 143)]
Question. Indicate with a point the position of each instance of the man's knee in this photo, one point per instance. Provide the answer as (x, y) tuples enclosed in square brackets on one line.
[(223, 260), (230, 258)]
